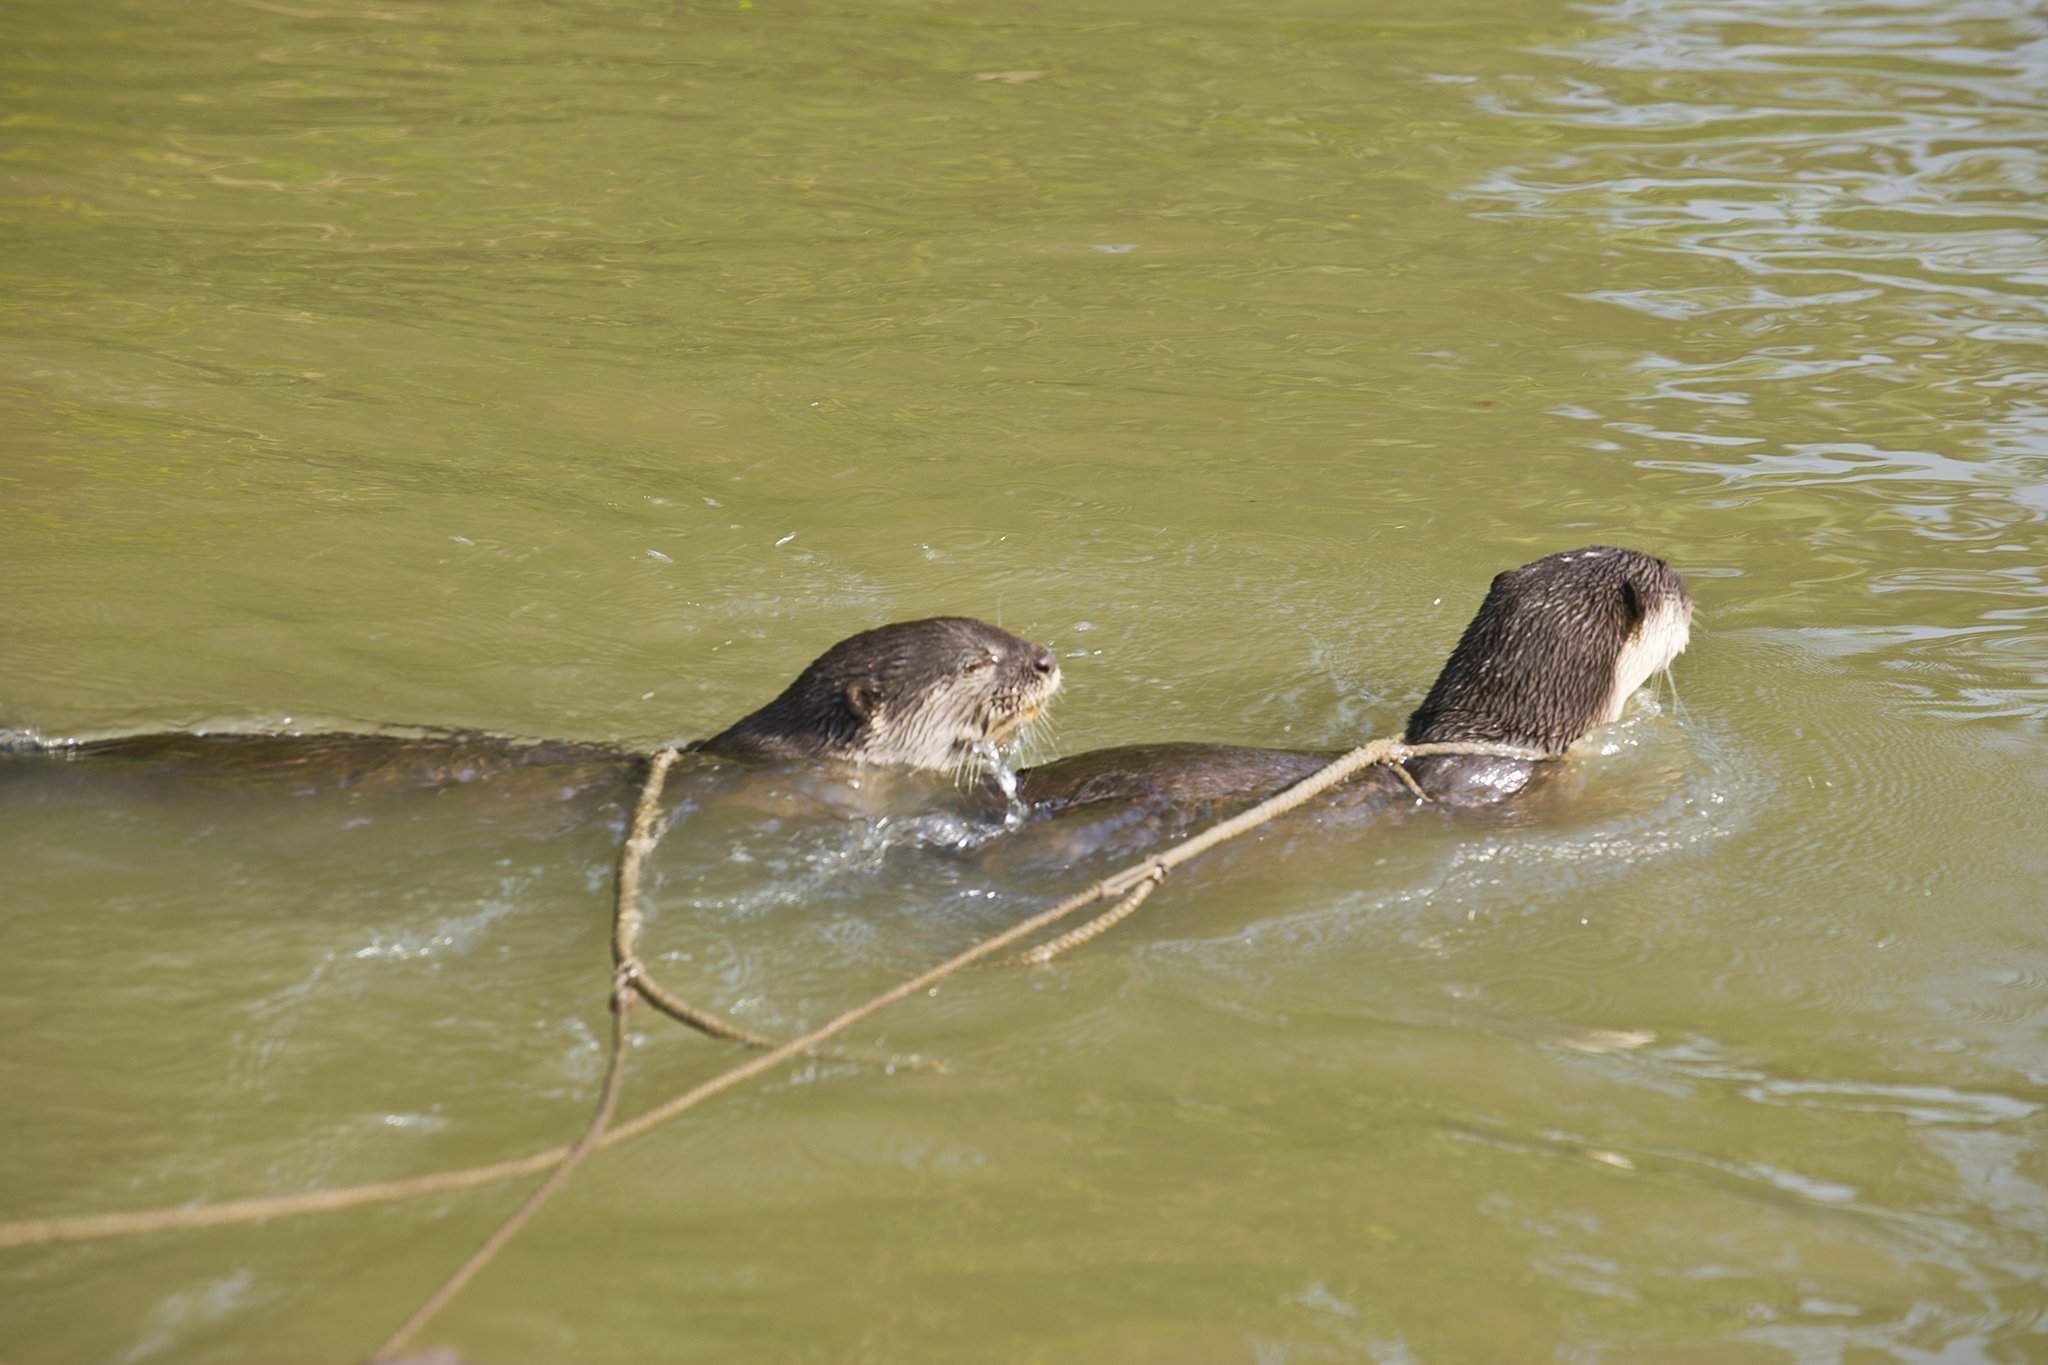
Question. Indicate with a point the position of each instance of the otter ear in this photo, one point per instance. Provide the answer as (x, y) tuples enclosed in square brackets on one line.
[(862, 695), (1631, 606)]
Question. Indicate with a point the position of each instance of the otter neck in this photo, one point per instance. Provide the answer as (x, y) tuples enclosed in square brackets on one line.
[(1459, 726), (1475, 779), (789, 728)]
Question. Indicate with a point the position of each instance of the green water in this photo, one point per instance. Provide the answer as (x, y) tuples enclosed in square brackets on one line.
[(581, 370)]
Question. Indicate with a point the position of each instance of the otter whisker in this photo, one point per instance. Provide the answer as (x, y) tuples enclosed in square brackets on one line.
[(1040, 736), (972, 765)]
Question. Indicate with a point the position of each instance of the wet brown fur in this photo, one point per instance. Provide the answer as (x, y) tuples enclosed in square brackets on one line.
[(1536, 668)]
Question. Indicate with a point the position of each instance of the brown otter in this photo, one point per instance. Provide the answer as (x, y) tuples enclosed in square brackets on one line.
[(923, 694), (1557, 647), (932, 694)]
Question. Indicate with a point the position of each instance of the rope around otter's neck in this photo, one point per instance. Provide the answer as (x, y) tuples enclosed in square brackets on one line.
[(1132, 883)]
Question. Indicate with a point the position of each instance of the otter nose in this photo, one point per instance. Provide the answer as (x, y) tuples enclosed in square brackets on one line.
[(1042, 660)]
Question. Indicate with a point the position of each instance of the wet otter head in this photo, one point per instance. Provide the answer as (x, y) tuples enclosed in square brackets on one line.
[(1556, 649), (923, 694)]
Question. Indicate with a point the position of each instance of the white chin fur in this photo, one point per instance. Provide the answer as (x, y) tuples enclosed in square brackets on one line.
[(1660, 638)]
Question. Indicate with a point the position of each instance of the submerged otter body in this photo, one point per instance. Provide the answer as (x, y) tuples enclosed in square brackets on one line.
[(1557, 647), (332, 760), (930, 695)]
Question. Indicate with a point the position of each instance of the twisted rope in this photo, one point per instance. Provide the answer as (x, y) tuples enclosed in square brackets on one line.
[(626, 923), (92, 1227)]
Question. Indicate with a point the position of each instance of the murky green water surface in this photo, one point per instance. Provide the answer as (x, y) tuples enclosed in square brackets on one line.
[(582, 370)]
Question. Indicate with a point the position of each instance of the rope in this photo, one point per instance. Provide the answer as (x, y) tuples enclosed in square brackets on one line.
[(626, 924), (1094, 928), (629, 982), (572, 1157), (1389, 752), (717, 1026), (93, 1227), (627, 920)]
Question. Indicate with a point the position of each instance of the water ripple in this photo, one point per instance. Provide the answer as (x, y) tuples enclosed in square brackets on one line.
[(1830, 221)]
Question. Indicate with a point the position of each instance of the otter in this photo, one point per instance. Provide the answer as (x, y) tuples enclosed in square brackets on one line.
[(1558, 646), (930, 694), (934, 694)]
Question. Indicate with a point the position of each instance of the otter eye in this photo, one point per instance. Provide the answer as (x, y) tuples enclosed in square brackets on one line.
[(986, 661)]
